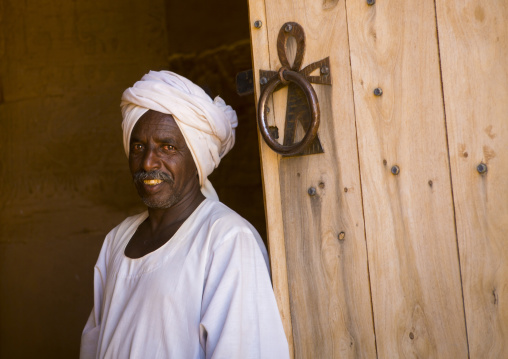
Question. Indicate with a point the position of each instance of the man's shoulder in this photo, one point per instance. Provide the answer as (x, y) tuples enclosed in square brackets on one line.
[(228, 227), (220, 214), (219, 209), (225, 223)]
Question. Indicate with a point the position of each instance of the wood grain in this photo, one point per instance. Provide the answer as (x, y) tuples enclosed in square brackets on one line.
[(270, 177), (473, 39), (409, 218), (328, 278)]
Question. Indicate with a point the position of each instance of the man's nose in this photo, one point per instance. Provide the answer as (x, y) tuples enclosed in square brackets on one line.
[(151, 160)]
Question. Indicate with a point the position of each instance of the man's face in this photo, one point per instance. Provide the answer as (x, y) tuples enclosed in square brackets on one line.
[(160, 161)]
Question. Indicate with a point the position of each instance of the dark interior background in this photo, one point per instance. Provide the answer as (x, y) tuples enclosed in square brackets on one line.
[(64, 178)]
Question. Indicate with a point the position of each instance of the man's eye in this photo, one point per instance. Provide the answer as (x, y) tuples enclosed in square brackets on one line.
[(137, 147), (168, 147)]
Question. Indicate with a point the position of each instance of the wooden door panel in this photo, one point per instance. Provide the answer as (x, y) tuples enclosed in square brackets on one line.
[(409, 218), (473, 42), (327, 278), (270, 176)]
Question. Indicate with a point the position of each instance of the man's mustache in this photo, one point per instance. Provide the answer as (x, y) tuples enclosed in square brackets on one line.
[(141, 176)]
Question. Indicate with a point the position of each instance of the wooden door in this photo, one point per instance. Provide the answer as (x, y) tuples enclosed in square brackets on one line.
[(390, 243), (473, 42)]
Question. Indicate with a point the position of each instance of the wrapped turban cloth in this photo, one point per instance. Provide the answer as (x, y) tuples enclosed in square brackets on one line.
[(207, 125)]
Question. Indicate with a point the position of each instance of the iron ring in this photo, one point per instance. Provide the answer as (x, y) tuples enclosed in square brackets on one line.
[(312, 100)]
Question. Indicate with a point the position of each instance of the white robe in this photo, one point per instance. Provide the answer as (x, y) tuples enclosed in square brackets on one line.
[(206, 293)]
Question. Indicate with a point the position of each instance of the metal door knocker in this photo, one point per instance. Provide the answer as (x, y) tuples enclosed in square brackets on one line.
[(301, 96)]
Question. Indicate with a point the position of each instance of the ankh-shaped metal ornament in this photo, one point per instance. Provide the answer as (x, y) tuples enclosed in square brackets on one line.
[(302, 102)]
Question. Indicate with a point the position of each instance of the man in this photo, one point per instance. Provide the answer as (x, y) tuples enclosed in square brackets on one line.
[(189, 277)]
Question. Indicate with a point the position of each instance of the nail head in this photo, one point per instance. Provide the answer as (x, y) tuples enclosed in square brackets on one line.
[(288, 28), (263, 80), (341, 236), (258, 24), (378, 91), (311, 191), (371, 2), (395, 170), (325, 70), (482, 168)]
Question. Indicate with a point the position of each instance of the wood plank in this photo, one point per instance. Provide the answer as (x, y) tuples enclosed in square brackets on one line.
[(270, 177), (413, 259), (473, 41), (328, 278)]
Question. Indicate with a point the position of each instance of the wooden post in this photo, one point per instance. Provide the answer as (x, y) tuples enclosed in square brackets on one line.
[(270, 177)]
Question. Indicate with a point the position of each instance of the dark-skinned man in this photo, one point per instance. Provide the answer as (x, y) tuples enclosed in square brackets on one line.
[(189, 277)]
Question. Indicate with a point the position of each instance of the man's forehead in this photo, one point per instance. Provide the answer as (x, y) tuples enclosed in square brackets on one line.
[(153, 121)]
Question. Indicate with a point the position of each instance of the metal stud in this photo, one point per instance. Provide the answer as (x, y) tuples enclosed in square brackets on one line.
[(258, 24), (311, 191), (325, 70), (395, 170), (371, 2), (378, 91), (288, 28), (263, 80), (482, 168)]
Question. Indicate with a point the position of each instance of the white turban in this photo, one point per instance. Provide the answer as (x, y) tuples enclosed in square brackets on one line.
[(207, 125)]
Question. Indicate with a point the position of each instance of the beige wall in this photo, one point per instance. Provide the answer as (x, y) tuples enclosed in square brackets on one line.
[(64, 182)]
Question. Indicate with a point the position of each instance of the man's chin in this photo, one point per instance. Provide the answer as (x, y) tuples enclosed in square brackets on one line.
[(155, 203)]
